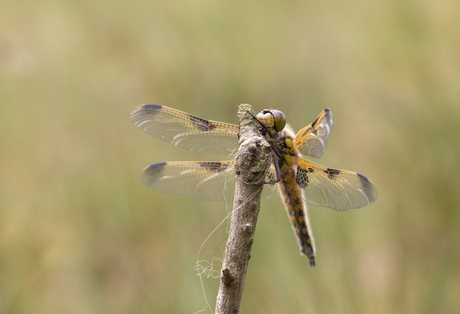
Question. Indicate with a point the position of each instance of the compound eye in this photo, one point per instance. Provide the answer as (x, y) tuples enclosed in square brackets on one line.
[(280, 120)]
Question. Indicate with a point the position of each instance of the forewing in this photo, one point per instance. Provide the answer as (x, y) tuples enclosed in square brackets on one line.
[(211, 181), (185, 130), (334, 188), (312, 139)]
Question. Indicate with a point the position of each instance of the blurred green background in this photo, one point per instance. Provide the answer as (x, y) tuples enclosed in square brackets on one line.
[(79, 234)]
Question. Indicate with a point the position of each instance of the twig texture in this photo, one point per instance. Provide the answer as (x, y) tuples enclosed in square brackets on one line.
[(252, 162)]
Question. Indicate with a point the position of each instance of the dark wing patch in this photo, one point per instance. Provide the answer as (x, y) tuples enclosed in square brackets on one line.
[(302, 177), (154, 106), (204, 124), (332, 172), (216, 166)]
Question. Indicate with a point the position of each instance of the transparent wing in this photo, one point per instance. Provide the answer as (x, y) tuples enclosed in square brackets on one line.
[(211, 181), (334, 188), (185, 130), (312, 139)]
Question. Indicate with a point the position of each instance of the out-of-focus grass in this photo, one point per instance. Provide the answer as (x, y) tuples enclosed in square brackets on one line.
[(78, 234)]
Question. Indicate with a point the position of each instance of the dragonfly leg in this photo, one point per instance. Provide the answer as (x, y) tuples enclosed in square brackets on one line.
[(277, 169)]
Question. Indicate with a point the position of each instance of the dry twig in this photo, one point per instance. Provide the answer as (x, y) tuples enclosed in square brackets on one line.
[(252, 162)]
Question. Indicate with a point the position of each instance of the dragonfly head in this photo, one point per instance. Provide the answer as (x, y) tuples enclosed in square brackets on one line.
[(274, 120)]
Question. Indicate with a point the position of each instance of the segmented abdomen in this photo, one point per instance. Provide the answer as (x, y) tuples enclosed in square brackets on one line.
[(297, 211)]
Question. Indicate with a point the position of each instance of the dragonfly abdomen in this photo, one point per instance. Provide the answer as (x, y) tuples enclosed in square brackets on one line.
[(297, 211)]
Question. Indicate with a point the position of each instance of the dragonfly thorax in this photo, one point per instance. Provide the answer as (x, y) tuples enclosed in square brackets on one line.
[(284, 143)]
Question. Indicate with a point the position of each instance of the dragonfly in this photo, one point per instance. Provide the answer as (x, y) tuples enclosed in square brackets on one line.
[(298, 180)]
